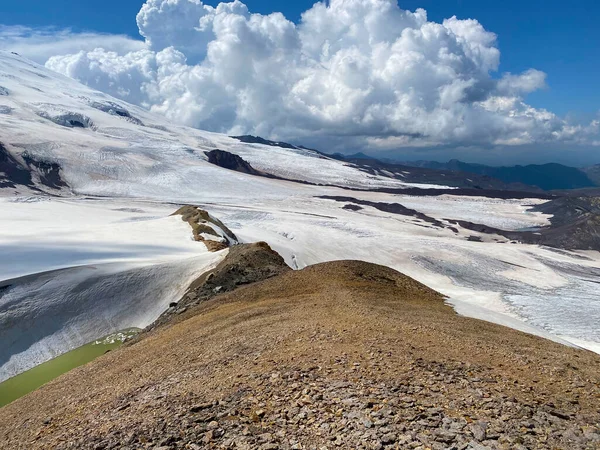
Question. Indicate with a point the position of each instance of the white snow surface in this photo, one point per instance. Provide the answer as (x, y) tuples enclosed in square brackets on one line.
[(74, 270), (56, 233), (106, 254)]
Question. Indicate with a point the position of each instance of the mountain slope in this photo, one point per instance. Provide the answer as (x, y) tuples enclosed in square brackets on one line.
[(104, 146), (437, 174), (75, 271), (137, 169), (593, 173), (343, 354), (548, 177)]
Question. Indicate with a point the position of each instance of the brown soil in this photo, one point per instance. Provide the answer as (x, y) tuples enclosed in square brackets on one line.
[(200, 221), (338, 355)]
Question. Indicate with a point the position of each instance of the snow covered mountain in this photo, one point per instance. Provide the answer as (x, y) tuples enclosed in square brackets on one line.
[(108, 147), (88, 184)]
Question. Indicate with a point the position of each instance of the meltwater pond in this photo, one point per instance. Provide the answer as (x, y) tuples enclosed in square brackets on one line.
[(26, 382)]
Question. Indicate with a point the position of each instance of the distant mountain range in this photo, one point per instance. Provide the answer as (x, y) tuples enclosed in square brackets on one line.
[(593, 173), (455, 173), (547, 177)]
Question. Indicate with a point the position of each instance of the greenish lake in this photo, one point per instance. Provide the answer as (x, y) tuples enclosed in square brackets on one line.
[(24, 383)]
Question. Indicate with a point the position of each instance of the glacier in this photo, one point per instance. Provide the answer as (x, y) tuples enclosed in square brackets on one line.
[(103, 253)]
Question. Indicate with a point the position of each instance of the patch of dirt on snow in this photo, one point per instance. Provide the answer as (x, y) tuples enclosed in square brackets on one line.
[(203, 223)]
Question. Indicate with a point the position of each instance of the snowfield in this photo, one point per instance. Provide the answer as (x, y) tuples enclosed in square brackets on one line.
[(105, 253), (55, 233), (530, 288), (78, 269)]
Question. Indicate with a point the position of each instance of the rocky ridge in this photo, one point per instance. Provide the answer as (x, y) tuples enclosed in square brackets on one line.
[(339, 355), (207, 229)]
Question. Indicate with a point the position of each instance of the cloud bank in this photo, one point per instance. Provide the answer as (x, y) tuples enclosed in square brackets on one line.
[(352, 73), (39, 44)]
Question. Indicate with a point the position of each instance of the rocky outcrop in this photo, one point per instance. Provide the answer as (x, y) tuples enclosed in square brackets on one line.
[(206, 228), (243, 265), (575, 223), (29, 171), (49, 172), (67, 119), (230, 161), (114, 109), (12, 173)]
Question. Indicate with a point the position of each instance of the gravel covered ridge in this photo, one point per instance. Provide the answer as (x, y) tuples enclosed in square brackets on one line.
[(338, 355), (244, 264)]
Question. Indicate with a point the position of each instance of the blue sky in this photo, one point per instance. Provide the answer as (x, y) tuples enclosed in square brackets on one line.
[(557, 37)]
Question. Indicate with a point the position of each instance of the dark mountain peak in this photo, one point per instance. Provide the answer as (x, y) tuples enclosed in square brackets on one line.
[(249, 139), (549, 176), (360, 155), (230, 161)]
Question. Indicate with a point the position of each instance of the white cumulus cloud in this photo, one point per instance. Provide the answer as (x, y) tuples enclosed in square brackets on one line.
[(351, 73)]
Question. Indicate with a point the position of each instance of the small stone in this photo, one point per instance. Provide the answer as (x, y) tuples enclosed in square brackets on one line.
[(265, 437), (208, 437), (445, 436), (367, 423), (478, 430), (477, 446), (213, 425), (200, 407), (388, 438)]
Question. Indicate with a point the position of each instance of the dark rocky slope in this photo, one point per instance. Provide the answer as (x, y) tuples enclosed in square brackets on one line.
[(230, 161), (12, 173), (244, 264), (28, 171)]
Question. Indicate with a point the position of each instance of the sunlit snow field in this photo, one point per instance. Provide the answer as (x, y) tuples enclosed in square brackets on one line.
[(107, 255)]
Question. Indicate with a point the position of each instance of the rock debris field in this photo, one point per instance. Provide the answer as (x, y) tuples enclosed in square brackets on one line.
[(338, 355)]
